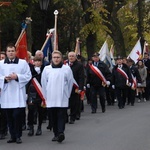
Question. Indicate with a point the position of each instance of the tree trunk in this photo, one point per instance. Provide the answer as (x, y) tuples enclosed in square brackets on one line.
[(91, 38), (112, 22), (140, 24)]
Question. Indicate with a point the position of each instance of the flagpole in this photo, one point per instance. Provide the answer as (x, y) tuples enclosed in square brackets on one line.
[(27, 21), (55, 27), (49, 35)]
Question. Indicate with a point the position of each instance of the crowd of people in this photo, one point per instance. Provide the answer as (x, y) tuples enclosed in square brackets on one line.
[(35, 90)]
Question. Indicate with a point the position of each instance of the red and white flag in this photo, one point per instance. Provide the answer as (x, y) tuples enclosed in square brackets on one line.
[(136, 52), (21, 47)]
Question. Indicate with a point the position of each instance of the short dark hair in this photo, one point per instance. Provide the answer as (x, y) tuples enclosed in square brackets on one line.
[(37, 59), (10, 45), (146, 53)]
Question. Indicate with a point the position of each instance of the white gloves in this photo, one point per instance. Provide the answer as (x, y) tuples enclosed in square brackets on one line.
[(113, 86), (108, 83), (129, 84), (88, 85), (139, 84)]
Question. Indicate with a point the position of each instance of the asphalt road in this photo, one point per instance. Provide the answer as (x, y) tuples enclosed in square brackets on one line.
[(126, 129)]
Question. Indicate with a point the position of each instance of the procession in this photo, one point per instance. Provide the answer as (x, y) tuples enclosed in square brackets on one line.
[(50, 90)]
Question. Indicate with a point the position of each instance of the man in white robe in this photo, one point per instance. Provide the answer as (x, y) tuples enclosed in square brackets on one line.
[(14, 75), (57, 82)]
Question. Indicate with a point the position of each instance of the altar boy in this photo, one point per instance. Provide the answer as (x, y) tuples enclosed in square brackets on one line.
[(14, 75)]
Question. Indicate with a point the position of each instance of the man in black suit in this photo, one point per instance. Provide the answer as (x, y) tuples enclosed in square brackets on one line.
[(121, 81), (96, 84), (136, 80), (147, 64), (78, 74)]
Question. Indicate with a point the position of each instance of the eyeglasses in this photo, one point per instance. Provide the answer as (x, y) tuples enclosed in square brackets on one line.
[(56, 57)]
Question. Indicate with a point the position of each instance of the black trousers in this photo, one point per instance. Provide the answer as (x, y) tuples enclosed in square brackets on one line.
[(32, 109), (147, 89), (58, 117), (110, 95), (14, 118), (88, 97), (121, 94), (94, 92), (3, 121), (131, 96), (75, 106)]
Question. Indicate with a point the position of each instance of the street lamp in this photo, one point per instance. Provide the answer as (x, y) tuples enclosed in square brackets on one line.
[(44, 4)]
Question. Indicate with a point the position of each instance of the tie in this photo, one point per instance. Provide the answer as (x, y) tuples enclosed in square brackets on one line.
[(96, 64), (11, 62)]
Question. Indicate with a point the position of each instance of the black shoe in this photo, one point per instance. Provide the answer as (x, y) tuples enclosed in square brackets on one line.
[(38, 132), (49, 127), (35, 122), (77, 117), (93, 112), (2, 136), (23, 127), (71, 122), (11, 141), (55, 138), (103, 110), (31, 131), (18, 141), (28, 127), (61, 137)]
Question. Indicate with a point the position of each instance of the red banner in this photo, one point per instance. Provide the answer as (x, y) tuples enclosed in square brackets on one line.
[(21, 47)]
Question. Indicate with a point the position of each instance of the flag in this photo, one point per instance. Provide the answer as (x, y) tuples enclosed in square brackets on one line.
[(112, 54), (21, 47), (77, 48), (145, 49), (136, 52), (48, 46), (105, 55)]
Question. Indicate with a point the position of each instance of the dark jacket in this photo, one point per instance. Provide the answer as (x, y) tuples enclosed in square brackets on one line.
[(135, 73), (31, 91), (147, 64), (93, 79), (119, 80), (78, 74)]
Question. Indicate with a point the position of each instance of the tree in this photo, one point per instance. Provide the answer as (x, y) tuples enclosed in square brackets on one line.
[(140, 24), (91, 36), (111, 20)]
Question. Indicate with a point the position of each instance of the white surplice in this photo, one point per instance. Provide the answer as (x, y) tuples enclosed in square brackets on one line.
[(57, 84), (13, 93)]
